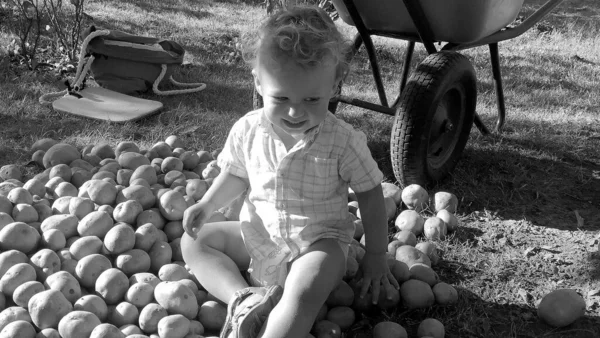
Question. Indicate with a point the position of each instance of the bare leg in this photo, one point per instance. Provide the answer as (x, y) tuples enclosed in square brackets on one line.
[(311, 279), (217, 257)]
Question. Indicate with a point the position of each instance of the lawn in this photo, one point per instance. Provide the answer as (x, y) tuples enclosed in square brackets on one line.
[(529, 196)]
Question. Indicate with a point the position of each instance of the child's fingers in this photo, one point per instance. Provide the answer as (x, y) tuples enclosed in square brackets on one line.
[(375, 289), (393, 281), (364, 286)]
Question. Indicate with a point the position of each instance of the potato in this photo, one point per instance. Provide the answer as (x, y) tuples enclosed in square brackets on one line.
[(172, 205), (145, 236), (64, 282), (445, 293), (416, 294), (77, 324), (43, 144), (326, 328), (435, 228), (431, 327), (152, 216), (149, 317), (13, 313), (111, 285), (124, 176), (343, 316), (15, 276), (103, 150), (44, 211), (10, 258), (85, 246), (48, 307), (131, 330), (139, 193), (101, 192), (160, 254), (96, 223), (342, 295), (19, 236), (410, 220), (67, 224), (48, 333), (411, 255), (18, 329), (45, 262), (131, 160), (25, 291), (425, 273), (24, 213), (173, 230), (127, 211), (173, 326), (133, 261), (389, 329), (172, 272), (90, 267), (415, 197), (443, 200), (561, 307), (80, 206), (140, 294), (144, 277), (119, 238), (212, 315), (20, 195), (65, 189), (60, 153), (176, 298), (106, 330), (94, 304)]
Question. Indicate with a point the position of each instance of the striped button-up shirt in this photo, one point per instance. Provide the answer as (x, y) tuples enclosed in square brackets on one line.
[(298, 196)]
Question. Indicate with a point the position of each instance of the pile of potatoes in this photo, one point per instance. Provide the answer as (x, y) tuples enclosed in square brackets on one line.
[(90, 247)]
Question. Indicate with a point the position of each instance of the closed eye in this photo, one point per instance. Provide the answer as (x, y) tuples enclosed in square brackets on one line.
[(313, 99)]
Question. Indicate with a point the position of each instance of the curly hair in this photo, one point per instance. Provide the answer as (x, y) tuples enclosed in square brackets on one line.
[(305, 35)]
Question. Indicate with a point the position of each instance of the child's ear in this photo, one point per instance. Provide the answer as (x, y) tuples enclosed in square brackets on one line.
[(336, 87), (256, 81)]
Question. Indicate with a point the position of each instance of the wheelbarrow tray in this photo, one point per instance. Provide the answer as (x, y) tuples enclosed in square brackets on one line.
[(454, 21)]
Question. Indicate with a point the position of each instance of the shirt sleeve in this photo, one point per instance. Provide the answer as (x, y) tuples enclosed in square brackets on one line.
[(357, 166), (231, 159)]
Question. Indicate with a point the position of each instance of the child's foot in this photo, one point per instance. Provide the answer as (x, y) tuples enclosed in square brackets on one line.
[(248, 310)]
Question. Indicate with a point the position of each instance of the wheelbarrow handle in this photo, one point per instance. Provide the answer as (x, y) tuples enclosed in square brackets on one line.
[(511, 32)]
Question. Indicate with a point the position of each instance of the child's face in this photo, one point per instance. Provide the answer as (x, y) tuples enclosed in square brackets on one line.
[(295, 99)]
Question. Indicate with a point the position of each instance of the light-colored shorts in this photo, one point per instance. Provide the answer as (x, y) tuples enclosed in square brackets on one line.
[(274, 269)]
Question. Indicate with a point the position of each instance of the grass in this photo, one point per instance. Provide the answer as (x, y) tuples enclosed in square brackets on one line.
[(519, 190)]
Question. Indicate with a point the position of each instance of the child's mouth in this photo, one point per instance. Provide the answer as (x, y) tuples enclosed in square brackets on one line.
[(293, 125)]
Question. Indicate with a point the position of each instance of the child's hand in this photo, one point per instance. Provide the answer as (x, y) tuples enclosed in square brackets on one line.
[(376, 273), (195, 216)]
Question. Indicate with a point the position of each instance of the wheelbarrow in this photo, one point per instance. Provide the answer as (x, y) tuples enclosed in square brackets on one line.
[(436, 107)]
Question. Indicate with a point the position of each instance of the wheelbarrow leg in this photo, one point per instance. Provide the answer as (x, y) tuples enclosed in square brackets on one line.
[(495, 59)]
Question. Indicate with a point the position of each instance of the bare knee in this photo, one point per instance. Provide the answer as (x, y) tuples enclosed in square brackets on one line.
[(315, 274)]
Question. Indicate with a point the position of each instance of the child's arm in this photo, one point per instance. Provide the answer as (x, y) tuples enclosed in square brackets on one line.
[(224, 189), (374, 264)]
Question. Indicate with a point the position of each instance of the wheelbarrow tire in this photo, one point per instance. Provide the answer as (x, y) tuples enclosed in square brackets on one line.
[(433, 119)]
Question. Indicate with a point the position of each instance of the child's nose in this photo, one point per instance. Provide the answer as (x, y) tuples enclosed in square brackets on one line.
[(296, 112)]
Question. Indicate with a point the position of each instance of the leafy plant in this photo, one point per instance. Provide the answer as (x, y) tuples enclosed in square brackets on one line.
[(26, 18), (65, 27)]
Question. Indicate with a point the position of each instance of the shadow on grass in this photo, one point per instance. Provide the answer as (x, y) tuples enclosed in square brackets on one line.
[(582, 15), (472, 316)]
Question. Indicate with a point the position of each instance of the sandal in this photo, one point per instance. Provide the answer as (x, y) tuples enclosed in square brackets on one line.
[(248, 310)]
